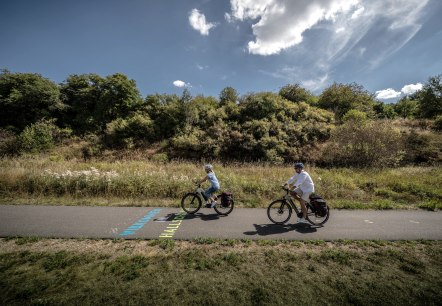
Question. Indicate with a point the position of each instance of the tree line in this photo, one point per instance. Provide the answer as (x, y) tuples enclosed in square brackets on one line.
[(293, 124)]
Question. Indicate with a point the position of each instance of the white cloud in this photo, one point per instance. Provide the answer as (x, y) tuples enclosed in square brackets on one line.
[(201, 67), (411, 88), (198, 22), (388, 93), (358, 12), (179, 83), (282, 23), (341, 29), (324, 33)]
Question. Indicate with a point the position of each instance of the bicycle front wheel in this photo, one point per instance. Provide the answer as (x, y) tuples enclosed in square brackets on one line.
[(316, 218), (191, 203), (279, 212), (225, 209)]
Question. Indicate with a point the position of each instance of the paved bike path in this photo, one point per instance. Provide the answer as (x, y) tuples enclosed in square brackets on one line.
[(242, 223)]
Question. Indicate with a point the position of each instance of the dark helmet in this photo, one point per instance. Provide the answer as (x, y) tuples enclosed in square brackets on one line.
[(298, 166)]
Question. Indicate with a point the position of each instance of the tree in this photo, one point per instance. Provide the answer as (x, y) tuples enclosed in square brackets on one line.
[(430, 98), (406, 107), (340, 98), (94, 101), (295, 93), (26, 98), (228, 94)]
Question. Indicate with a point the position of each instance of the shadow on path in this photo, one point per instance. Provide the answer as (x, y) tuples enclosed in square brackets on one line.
[(274, 229), (204, 217)]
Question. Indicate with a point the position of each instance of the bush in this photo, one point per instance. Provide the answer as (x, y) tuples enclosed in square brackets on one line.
[(437, 125), (355, 115), (130, 132), (8, 143), (375, 143), (423, 147), (37, 137)]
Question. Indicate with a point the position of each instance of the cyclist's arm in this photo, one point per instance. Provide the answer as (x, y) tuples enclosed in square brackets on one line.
[(203, 180)]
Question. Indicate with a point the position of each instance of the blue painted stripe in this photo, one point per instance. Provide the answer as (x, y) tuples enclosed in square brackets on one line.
[(140, 223)]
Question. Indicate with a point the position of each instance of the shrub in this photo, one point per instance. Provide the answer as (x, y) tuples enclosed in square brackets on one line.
[(130, 132), (8, 143), (37, 137), (363, 145), (437, 125)]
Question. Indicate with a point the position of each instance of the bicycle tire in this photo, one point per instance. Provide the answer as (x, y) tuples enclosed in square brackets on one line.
[(224, 210), (188, 203), (279, 212), (314, 219)]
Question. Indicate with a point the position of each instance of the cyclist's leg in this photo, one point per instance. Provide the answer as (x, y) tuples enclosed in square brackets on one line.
[(208, 193), (302, 198)]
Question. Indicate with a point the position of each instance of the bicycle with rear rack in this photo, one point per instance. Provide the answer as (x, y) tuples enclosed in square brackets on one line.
[(280, 211), (192, 202)]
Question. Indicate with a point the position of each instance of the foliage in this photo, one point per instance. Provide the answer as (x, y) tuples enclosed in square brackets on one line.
[(8, 143), (126, 133), (340, 98), (375, 143), (430, 98), (37, 137), (437, 125), (168, 114), (384, 111), (355, 115), (423, 147), (26, 98), (262, 126), (94, 101), (296, 93), (406, 107), (228, 94)]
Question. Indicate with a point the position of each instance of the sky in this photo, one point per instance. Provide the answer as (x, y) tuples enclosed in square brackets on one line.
[(391, 47)]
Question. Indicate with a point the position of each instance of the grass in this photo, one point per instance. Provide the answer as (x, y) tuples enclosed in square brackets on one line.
[(42, 180), (99, 272)]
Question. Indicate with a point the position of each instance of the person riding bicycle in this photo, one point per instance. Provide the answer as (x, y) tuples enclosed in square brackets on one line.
[(302, 187), (210, 201)]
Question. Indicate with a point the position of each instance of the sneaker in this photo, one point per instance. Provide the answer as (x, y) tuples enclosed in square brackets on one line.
[(302, 220), (213, 204)]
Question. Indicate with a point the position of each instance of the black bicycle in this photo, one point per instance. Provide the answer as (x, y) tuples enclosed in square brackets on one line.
[(191, 202), (280, 211)]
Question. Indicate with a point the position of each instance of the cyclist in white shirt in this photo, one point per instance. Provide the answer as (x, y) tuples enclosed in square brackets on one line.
[(301, 184)]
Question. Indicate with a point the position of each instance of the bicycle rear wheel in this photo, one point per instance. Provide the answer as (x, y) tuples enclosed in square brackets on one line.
[(224, 209), (315, 218), (279, 212), (191, 203)]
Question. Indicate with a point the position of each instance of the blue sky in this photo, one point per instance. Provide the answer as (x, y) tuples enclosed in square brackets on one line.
[(391, 47)]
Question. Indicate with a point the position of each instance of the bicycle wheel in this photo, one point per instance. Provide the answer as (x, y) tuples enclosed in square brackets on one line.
[(316, 219), (279, 212), (191, 203), (224, 209)]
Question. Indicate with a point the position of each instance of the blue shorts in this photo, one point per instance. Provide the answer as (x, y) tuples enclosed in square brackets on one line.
[(210, 191)]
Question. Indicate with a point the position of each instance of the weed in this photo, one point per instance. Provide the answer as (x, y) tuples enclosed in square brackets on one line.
[(167, 244), (25, 240)]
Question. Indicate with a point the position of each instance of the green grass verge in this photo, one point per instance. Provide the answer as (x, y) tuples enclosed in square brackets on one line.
[(219, 272)]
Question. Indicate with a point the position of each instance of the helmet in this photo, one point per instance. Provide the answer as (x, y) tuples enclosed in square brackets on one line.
[(208, 167), (298, 165)]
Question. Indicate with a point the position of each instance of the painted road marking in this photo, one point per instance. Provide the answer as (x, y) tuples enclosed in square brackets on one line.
[(368, 221), (140, 223), (174, 225), (416, 222)]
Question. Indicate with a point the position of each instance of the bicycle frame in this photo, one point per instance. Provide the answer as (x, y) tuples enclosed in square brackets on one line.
[(288, 198)]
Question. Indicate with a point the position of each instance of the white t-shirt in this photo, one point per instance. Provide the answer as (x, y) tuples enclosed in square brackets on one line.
[(303, 181)]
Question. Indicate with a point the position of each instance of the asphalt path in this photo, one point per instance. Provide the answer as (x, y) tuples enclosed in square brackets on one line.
[(242, 223)]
